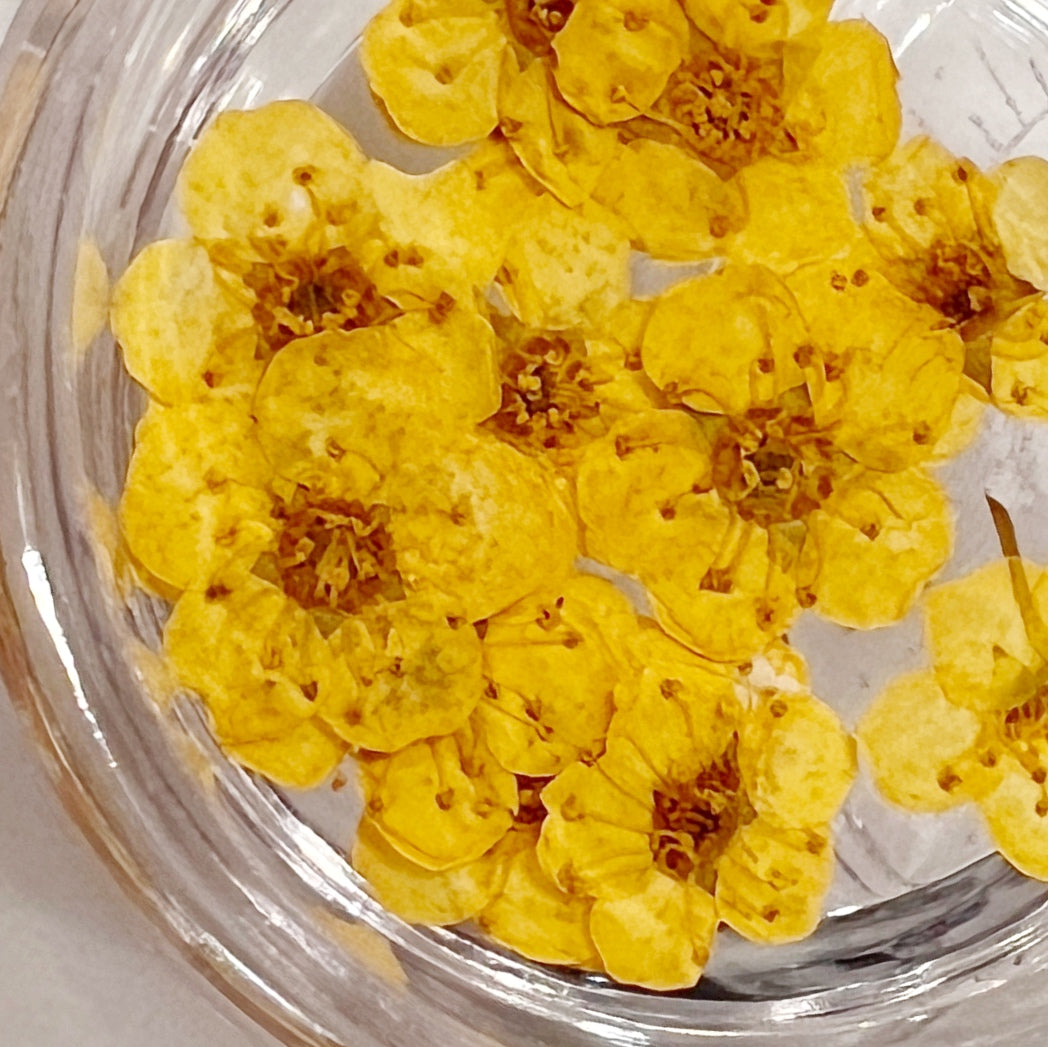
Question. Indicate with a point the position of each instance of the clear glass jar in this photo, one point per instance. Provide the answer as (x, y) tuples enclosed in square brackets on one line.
[(100, 101)]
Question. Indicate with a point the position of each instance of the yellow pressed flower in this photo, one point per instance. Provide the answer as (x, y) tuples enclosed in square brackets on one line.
[(566, 266), (194, 478), (725, 343), (614, 57), (479, 523), (435, 65), (731, 104), (440, 803), (1019, 362), (681, 823), (674, 206), (930, 216), (552, 666), (419, 895), (988, 703), (873, 546)]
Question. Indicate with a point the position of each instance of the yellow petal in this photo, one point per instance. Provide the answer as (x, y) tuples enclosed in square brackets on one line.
[(435, 65), (421, 895), (847, 108), (877, 542), (725, 343), (440, 803), (538, 920), (659, 937), (615, 56), (797, 214), (560, 149), (771, 882), (982, 655), (1020, 387), (797, 760), (752, 24), (419, 676), (552, 666), (480, 524), (1019, 214), (171, 316), (301, 759), (193, 479), (920, 746), (674, 206), (243, 177), (567, 266), (1016, 814)]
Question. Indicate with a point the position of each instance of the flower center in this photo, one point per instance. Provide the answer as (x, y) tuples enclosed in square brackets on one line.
[(729, 107), (548, 393), (1023, 730), (693, 822), (774, 470), (530, 809), (959, 282), (298, 295), (534, 23), (332, 555)]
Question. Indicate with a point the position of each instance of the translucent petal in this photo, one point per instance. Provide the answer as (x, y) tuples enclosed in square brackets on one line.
[(846, 110), (725, 343), (615, 56), (538, 920), (243, 177), (552, 666), (566, 267), (771, 882), (421, 895), (877, 542), (1020, 213), (982, 655), (733, 610), (659, 937), (481, 524), (892, 369), (559, 148), (920, 746), (1016, 814), (301, 759), (440, 803), (1024, 334), (172, 316), (420, 675), (644, 495), (674, 206), (797, 760), (193, 478), (965, 423), (595, 838), (797, 214), (435, 65), (1020, 387), (751, 24)]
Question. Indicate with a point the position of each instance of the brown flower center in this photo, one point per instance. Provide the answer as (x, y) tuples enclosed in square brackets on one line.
[(1023, 731), (332, 555), (530, 809), (774, 467), (534, 23), (693, 822), (548, 392), (728, 107), (298, 295)]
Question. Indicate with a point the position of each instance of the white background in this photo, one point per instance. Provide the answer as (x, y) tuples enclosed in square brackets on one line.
[(80, 965)]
